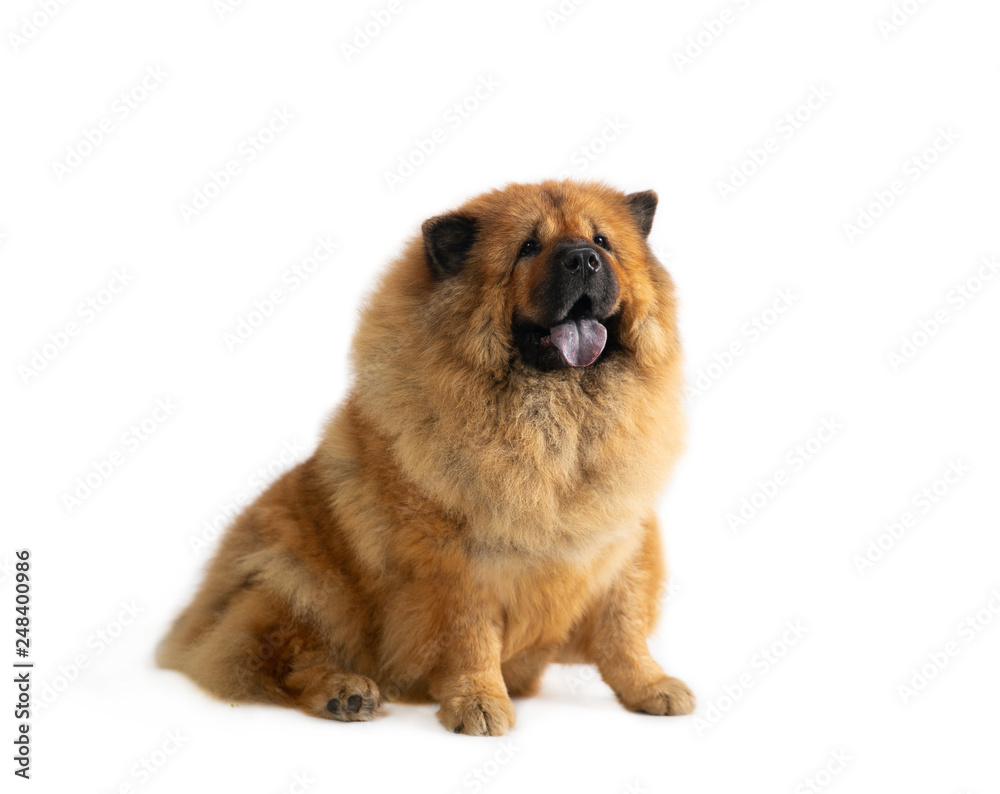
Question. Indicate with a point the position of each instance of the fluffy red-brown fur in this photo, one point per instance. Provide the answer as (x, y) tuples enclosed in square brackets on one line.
[(467, 518)]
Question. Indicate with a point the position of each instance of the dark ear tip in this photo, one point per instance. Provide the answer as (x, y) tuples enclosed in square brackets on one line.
[(428, 226), (645, 198), (447, 239), (643, 207), (448, 221)]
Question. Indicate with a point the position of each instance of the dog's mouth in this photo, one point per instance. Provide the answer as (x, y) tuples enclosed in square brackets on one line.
[(577, 340)]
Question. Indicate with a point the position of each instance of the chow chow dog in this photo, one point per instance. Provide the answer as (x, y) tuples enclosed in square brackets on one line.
[(482, 502)]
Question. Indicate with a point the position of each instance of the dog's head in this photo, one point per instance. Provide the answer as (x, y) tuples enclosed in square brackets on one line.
[(562, 269)]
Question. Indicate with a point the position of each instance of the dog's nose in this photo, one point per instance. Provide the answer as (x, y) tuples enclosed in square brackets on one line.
[(584, 260)]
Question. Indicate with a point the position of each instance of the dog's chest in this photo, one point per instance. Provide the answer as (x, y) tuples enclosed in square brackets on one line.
[(541, 598)]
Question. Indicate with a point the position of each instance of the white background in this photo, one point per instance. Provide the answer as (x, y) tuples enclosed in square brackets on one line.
[(681, 128)]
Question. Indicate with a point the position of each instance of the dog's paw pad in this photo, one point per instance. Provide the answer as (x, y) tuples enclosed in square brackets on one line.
[(349, 698)]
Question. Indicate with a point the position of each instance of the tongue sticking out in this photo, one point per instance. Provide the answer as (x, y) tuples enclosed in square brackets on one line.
[(579, 341)]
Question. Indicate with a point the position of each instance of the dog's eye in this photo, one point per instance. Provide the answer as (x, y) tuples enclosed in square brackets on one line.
[(601, 240), (528, 248)]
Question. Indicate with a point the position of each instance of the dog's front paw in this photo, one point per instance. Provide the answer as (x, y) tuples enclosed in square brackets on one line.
[(667, 696), (477, 715)]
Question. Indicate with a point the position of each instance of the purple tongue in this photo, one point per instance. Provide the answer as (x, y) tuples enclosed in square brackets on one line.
[(579, 341)]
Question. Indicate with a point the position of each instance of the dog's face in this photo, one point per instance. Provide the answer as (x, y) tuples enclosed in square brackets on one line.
[(565, 263)]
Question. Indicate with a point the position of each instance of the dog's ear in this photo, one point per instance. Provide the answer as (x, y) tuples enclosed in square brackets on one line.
[(643, 208), (447, 240)]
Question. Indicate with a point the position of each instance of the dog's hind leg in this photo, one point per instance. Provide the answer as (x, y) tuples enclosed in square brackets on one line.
[(255, 650)]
